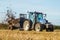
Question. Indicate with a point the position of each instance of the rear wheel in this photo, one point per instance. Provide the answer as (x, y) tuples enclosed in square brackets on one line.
[(26, 25), (38, 27)]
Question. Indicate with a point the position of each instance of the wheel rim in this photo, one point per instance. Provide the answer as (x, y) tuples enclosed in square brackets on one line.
[(37, 27), (26, 25)]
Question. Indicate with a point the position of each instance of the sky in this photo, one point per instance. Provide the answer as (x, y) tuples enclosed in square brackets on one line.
[(49, 7)]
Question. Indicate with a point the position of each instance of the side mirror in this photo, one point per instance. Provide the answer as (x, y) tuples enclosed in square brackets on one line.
[(45, 15)]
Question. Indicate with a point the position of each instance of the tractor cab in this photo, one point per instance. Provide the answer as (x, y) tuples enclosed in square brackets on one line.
[(37, 17)]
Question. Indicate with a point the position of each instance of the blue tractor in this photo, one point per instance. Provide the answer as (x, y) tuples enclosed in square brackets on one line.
[(37, 22)]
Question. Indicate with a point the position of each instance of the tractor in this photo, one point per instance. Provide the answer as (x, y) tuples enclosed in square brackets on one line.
[(36, 21)]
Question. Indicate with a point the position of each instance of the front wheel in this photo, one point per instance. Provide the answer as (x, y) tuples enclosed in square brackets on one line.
[(49, 27), (26, 25), (37, 27)]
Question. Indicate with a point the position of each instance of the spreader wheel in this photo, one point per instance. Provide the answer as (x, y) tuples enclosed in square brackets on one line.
[(10, 27)]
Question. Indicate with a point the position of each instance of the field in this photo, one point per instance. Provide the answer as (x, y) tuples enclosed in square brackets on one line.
[(29, 35), (6, 34)]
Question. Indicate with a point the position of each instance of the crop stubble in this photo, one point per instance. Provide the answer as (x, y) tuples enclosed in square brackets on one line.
[(28, 35)]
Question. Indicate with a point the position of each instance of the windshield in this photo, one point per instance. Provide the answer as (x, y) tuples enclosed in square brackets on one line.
[(32, 17), (39, 17)]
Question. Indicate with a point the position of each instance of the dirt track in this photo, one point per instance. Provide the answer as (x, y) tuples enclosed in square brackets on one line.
[(28, 35)]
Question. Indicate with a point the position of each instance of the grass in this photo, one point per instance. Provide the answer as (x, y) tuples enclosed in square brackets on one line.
[(56, 27), (4, 26)]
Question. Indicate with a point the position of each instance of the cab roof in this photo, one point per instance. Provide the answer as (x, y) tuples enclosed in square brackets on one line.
[(36, 12)]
